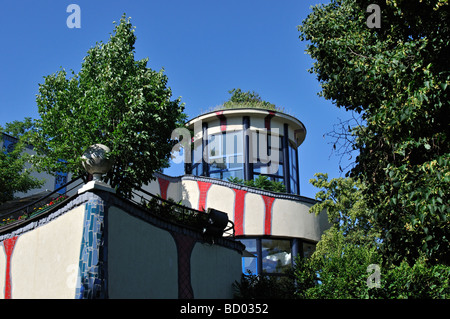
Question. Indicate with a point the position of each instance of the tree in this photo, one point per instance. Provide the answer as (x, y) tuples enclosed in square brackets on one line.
[(21, 130), (348, 253), (114, 100), (14, 176), (343, 200), (397, 77), (346, 249)]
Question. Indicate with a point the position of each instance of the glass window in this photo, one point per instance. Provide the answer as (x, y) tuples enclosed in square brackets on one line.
[(60, 180), (196, 155), (8, 144), (272, 256), (263, 161), (263, 146), (225, 151), (276, 255), (250, 263), (293, 169)]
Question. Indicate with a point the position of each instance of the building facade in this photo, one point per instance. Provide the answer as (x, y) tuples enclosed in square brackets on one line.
[(243, 144), (96, 244), (227, 148), (51, 182)]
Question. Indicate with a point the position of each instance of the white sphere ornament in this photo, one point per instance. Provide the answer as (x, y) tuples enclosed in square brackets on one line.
[(95, 160)]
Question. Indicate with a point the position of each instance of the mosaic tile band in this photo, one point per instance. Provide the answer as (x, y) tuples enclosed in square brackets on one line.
[(91, 264)]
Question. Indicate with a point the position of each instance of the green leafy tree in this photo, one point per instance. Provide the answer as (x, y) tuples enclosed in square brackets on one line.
[(340, 274), (417, 281), (397, 77), (338, 267), (114, 100), (20, 129), (14, 175), (343, 200)]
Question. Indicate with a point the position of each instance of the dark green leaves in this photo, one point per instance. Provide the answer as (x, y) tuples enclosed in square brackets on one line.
[(397, 77)]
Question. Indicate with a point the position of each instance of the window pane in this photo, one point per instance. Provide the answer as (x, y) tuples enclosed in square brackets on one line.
[(197, 169), (249, 264), (237, 173), (293, 186), (197, 155), (235, 161), (276, 255), (218, 164), (215, 145), (215, 175), (233, 143), (293, 169), (250, 245), (225, 155)]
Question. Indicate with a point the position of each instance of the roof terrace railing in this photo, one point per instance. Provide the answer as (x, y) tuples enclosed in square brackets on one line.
[(40, 205), (206, 222), (212, 222)]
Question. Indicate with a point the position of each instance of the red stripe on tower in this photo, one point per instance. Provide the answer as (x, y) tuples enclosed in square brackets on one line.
[(239, 202), (267, 120), (163, 185), (268, 201), (223, 121), (203, 187), (9, 247)]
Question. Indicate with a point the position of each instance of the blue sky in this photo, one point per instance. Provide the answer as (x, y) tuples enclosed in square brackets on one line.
[(205, 47)]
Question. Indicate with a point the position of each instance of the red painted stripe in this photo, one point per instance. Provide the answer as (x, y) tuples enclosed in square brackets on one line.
[(203, 188), (267, 120), (185, 245), (223, 121), (239, 202), (268, 201), (9, 247), (163, 185)]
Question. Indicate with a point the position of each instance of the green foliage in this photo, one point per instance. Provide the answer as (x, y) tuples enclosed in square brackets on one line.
[(264, 287), (175, 212), (338, 267), (261, 182), (113, 100), (19, 129), (398, 78), (342, 199), (416, 216), (14, 175), (249, 99), (419, 281), (341, 273)]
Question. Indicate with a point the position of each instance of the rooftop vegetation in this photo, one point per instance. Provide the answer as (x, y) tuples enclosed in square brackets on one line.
[(244, 100)]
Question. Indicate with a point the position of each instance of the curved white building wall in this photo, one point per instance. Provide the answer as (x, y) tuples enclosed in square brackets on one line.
[(254, 212)]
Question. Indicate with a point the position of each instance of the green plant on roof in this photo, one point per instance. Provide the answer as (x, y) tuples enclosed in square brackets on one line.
[(249, 99)]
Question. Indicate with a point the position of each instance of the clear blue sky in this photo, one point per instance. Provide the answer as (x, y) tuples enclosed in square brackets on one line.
[(206, 48)]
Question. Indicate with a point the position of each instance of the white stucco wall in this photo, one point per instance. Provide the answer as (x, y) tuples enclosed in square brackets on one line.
[(44, 262), (222, 199)]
